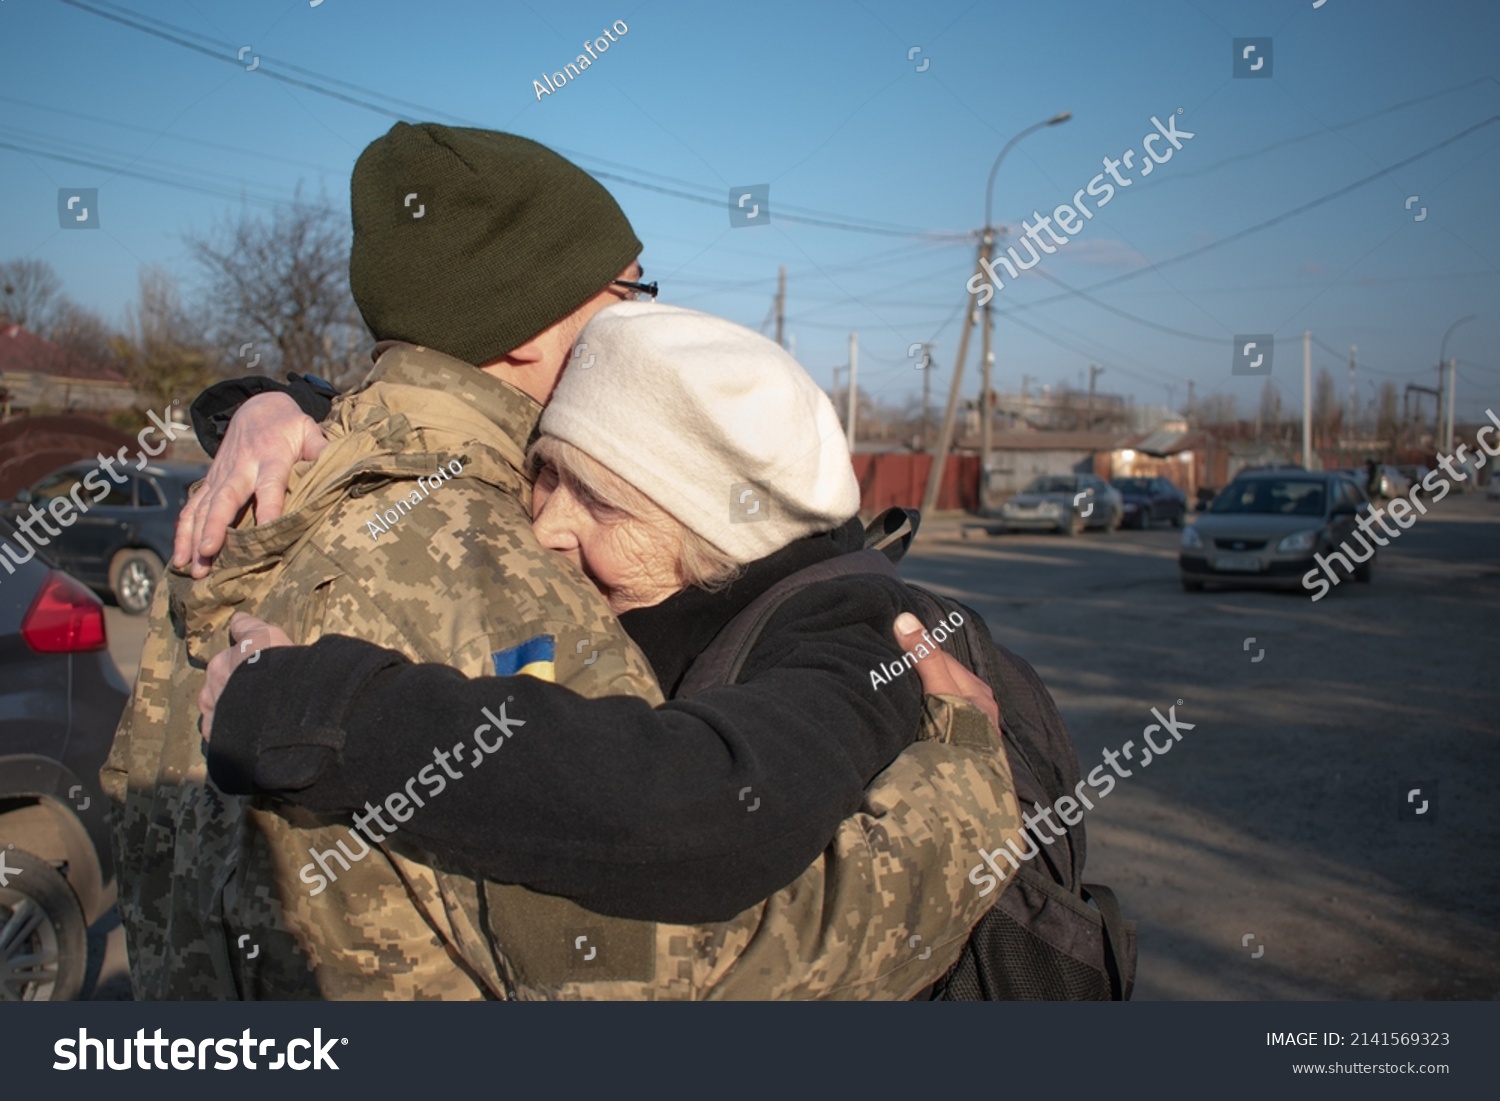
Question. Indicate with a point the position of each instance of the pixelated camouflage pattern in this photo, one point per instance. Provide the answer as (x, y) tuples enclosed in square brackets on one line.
[(882, 914), (457, 578)]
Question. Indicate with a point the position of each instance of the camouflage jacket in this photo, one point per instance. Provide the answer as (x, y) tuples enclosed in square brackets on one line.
[(215, 893)]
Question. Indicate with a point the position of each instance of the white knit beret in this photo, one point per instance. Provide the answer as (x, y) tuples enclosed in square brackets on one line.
[(716, 424)]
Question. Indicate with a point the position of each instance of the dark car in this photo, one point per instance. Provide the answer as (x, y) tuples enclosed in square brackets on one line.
[(60, 700), (1066, 503), (118, 543), (1148, 500), (1266, 526)]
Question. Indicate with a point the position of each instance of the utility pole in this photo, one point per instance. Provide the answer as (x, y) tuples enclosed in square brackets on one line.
[(781, 305), (1094, 372), (926, 392), (987, 362), (853, 384), (1307, 399), (1189, 409), (1353, 394), (1452, 393), (945, 433)]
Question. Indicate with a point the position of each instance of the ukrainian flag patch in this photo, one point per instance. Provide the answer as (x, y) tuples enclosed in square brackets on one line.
[(536, 657)]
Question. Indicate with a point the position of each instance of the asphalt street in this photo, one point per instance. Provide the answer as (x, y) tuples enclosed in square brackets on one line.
[(1272, 853)]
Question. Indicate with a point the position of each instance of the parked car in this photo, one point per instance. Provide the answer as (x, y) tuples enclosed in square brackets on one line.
[(118, 545), (60, 700), (1066, 503), (1147, 500), (1414, 473), (1266, 526)]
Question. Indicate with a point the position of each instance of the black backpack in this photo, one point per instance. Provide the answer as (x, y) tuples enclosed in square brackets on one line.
[(1042, 940)]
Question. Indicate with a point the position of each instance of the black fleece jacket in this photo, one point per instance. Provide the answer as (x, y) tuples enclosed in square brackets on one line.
[(689, 812)]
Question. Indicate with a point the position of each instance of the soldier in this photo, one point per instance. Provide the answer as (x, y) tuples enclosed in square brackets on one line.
[(515, 250)]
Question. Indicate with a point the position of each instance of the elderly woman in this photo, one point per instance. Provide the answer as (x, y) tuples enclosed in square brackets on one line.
[(690, 467)]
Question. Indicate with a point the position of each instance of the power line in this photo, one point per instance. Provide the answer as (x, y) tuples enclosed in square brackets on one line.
[(224, 52), (184, 185), (1191, 174), (1268, 223)]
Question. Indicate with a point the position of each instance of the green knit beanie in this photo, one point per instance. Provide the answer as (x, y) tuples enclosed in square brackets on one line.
[(471, 242)]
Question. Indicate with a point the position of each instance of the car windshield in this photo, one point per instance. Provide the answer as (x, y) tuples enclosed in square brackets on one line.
[(1046, 484), (1132, 485), (1276, 496)]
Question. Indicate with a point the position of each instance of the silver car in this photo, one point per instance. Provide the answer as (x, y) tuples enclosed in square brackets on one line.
[(1066, 503), (1267, 526)]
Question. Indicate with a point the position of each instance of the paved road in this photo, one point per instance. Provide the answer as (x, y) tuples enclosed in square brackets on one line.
[(1277, 815)]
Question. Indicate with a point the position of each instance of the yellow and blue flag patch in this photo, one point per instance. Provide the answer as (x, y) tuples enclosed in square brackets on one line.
[(536, 657)]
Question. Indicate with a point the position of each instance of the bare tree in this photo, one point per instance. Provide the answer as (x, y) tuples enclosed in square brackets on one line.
[(30, 295), (1327, 412), (1270, 414), (279, 284), (1387, 422), (85, 335), (164, 354), (1216, 409)]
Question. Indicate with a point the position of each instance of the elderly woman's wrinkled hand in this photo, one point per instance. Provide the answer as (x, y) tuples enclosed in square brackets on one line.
[(248, 637), (266, 438), (941, 673)]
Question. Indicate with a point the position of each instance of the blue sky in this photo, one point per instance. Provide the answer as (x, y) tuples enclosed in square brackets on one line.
[(821, 102)]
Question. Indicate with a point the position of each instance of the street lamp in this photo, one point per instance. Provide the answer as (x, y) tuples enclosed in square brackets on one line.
[(1452, 384), (987, 356)]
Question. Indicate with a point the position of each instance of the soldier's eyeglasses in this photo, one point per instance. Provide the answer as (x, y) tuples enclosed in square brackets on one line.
[(643, 292)]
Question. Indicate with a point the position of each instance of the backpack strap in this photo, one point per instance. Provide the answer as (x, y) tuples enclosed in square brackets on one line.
[(1116, 944), (892, 531), (725, 656)]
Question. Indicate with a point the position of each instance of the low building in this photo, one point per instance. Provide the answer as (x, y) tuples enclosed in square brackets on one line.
[(38, 376)]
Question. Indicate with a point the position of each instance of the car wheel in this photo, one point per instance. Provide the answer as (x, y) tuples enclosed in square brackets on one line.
[(43, 938), (1365, 569), (1177, 519), (1192, 586), (133, 576)]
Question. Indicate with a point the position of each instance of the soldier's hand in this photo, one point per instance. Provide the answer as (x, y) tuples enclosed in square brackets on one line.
[(941, 673), (249, 636), (268, 435)]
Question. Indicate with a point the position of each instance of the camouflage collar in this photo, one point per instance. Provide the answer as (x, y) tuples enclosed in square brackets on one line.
[(516, 413)]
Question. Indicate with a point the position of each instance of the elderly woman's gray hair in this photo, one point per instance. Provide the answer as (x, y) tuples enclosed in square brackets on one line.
[(699, 563)]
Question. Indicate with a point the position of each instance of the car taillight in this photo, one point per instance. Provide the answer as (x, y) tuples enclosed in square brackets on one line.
[(64, 618)]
